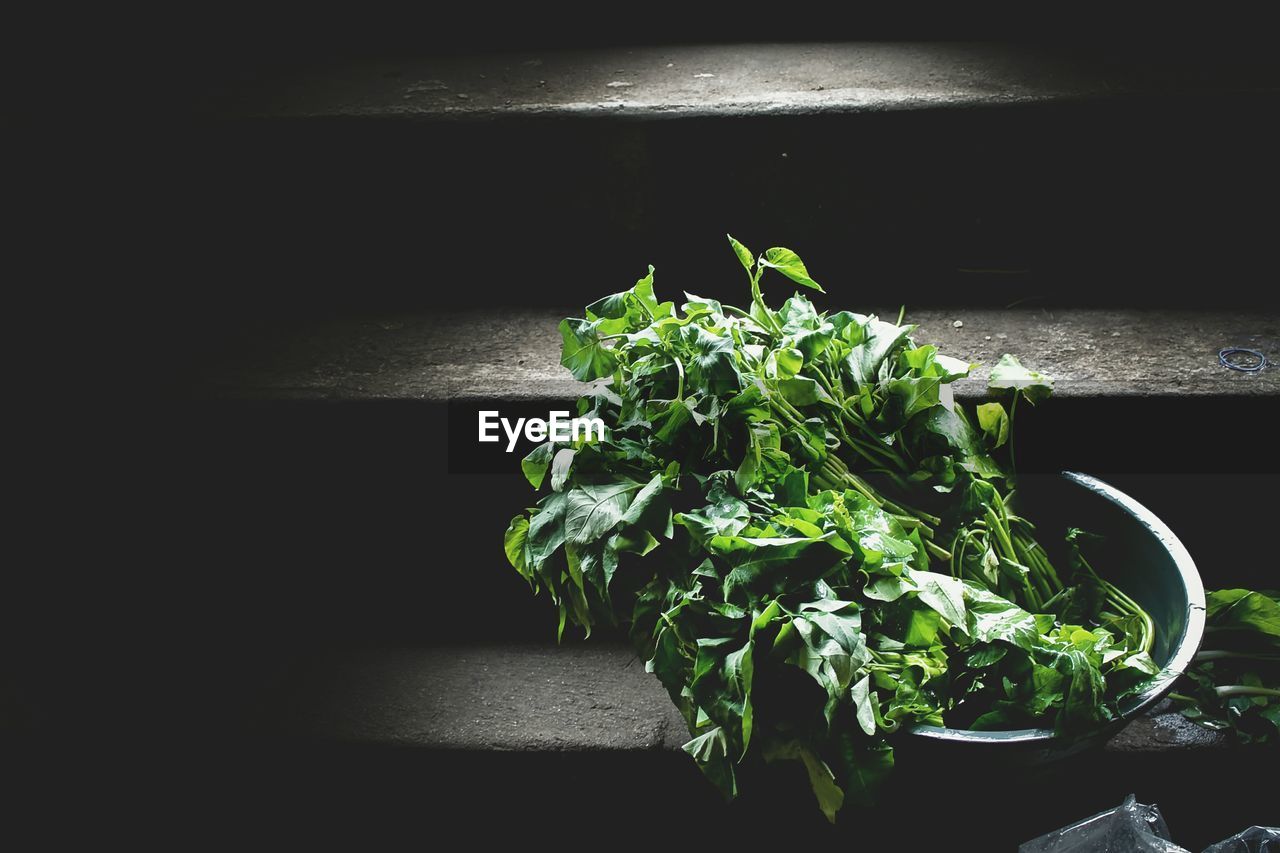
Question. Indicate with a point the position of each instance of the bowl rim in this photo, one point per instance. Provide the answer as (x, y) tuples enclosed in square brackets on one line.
[(1184, 650)]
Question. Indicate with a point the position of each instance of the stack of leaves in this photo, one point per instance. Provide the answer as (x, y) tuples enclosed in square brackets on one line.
[(1234, 682), (811, 544)]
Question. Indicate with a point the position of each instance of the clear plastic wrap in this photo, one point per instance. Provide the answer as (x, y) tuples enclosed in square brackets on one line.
[(1132, 827), (1255, 839)]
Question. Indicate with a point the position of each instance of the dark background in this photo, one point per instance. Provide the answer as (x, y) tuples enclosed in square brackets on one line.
[(184, 556)]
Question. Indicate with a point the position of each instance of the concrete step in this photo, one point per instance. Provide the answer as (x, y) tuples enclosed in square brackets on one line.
[(511, 355), (360, 747), (583, 726), (583, 695), (723, 80), (956, 173)]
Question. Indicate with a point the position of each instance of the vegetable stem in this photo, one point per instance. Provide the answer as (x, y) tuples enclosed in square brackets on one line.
[(1229, 690), (1013, 410), (758, 299), (1223, 654)]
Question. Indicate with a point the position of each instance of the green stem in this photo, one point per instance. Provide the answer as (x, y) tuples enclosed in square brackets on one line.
[(1122, 602), (1223, 654), (1005, 546), (1013, 408), (758, 299), (873, 440), (1027, 559), (936, 550), (1245, 690), (862, 448), (821, 379), (959, 544)]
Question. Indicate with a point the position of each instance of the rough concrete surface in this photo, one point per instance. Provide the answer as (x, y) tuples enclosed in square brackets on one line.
[(579, 696), (514, 354), (750, 79), (584, 697), (1165, 730)]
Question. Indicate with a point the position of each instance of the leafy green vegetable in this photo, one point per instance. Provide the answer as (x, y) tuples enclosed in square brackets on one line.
[(1236, 685), (810, 550), (1009, 373), (1242, 609), (789, 264), (994, 422)]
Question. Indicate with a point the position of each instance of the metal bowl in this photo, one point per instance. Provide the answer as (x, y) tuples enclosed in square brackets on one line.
[(1140, 555)]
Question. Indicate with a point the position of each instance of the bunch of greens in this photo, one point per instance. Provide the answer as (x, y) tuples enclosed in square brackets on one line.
[(1236, 684), (811, 544)]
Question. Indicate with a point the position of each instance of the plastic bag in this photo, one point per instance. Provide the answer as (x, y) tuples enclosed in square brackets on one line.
[(1130, 828), (1134, 827), (1255, 839)]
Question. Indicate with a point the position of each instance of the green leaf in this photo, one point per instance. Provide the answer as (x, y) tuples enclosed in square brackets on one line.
[(927, 361), (768, 564), (583, 352), (739, 668), (1244, 609), (789, 264), (726, 517), (922, 628), (1009, 373), (592, 511), (906, 398), (879, 340), (546, 529), (744, 255), (994, 421), (643, 295), (674, 420), (650, 509), (812, 342), (513, 542), (536, 463), (711, 368), (950, 369), (748, 471), (793, 489), (992, 618), (787, 362), (799, 315), (952, 429), (802, 391), (1083, 709), (823, 782), (609, 308), (560, 465), (832, 649), (711, 751), (721, 686), (696, 306), (863, 700), (943, 593), (865, 768), (1046, 685), (636, 306), (985, 655), (889, 588)]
